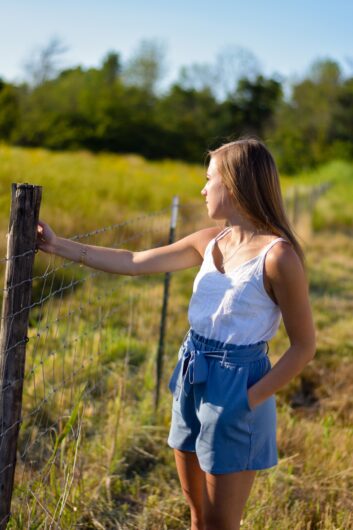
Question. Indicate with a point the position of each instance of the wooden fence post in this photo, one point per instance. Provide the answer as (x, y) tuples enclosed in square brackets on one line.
[(24, 214), (160, 353)]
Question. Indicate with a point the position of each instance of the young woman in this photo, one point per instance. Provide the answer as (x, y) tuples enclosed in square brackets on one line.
[(252, 274)]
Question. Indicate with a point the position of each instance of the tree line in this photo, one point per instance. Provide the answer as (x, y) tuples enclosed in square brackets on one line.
[(110, 108)]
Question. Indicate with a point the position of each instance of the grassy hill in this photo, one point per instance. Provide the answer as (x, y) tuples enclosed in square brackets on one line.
[(92, 450)]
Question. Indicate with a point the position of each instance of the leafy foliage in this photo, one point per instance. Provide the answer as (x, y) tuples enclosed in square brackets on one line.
[(117, 108)]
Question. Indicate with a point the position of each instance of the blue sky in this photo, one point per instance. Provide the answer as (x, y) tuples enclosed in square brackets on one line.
[(285, 36)]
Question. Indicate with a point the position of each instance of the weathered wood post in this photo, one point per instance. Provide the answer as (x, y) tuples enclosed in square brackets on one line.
[(160, 353), (24, 214)]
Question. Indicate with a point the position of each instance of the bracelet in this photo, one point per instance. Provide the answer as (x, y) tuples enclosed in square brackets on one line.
[(83, 252)]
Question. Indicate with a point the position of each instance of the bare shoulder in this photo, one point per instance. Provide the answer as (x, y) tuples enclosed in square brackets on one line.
[(202, 237), (283, 264), (291, 292)]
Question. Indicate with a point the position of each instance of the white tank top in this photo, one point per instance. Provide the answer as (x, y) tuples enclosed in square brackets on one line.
[(233, 307)]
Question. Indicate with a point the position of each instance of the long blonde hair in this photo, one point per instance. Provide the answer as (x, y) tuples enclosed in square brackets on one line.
[(250, 174)]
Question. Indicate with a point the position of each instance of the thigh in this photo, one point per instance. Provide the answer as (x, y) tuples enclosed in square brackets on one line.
[(224, 498), (191, 478)]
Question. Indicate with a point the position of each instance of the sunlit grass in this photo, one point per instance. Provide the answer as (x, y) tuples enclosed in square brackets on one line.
[(114, 469), (82, 191)]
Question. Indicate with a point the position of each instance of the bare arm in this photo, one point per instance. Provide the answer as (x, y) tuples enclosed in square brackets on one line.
[(183, 254), (290, 287)]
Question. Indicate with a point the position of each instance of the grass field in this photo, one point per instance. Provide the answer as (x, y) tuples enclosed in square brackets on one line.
[(100, 460), (82, 191)]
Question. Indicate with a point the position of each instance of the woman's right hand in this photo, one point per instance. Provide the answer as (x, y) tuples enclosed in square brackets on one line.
[(46, 238)]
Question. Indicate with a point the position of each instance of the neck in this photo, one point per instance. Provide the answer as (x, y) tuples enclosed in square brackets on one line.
[(239, 233)]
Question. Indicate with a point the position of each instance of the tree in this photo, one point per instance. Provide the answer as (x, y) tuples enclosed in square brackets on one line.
[(9, 109), (303, 127), (43, 63), (221, 77), (146, 67), (111, 67), (325, 72), (341, 128), (188, 122), (232, 64), (197, 76), (252, 105)]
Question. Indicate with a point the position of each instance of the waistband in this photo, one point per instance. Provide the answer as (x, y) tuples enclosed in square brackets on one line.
[(239, 352), (192, 366)]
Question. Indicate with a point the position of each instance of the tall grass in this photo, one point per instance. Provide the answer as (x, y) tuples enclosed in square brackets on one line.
[(104, 461)]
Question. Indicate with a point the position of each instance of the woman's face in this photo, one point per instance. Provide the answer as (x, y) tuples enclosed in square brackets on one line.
[(218, 198)]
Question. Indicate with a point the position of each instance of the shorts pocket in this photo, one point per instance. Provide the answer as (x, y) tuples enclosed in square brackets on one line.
[(250, 409), (226, 387), (257, 370), (175, 379), (174, 383)]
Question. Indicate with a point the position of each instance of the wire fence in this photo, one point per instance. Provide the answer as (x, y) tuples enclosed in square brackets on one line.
[(93, 348)]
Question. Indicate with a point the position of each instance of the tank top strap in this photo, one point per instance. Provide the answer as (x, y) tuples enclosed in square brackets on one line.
[(222, 233), (266, 248), (212, 241)]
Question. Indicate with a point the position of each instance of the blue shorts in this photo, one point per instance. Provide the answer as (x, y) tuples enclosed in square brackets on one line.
[(211, 414)]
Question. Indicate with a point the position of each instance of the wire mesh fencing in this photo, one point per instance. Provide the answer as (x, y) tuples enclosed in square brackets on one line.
[(88, 334), (94, 350)]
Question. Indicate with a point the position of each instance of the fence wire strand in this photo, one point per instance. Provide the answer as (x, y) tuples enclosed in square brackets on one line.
[(89, 334), (72, 315)]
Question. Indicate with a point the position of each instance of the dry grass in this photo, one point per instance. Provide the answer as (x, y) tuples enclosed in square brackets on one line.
[(112, 467)]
